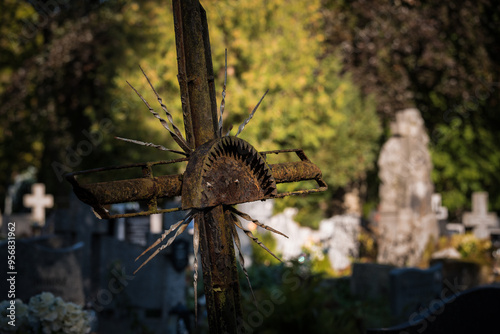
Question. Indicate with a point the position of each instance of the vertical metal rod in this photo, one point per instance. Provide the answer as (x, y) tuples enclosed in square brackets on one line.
[(196, 80)]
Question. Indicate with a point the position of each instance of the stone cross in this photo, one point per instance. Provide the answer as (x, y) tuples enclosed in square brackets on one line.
[(38, 201), (480, 219), (440, 211)]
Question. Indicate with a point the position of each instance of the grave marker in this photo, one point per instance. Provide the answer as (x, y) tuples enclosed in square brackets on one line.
[(371, 280), (38, 201), (480, 219), (137, 230), (471, 311), (455, 228), (46, 264), (406, 220), (412, 288)]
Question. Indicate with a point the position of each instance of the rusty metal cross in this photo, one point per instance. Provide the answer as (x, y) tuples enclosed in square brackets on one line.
[(221, 171)]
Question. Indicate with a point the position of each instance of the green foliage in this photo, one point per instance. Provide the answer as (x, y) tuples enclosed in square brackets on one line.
[(61, 81), (73, 73), (367, 246), (441, 58), (469, 247), (311, 105), (259, 255), (329, 67)]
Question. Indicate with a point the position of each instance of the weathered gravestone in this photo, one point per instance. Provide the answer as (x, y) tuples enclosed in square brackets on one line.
[(79, 224), (38, 201), (260, 210), (371, 280), (413, 288), (337, 237), (28, 225), (298, 236), (458, 273), (46, 264), (159, 287), (471, 311), (440, 212), (406, 221), (454, 228), (137, 230), (480, 220)]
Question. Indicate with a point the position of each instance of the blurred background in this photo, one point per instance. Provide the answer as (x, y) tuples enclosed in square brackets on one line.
[(338, 73)]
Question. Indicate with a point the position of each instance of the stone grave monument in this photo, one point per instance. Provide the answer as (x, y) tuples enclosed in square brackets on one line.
[(337, 237), (480, 220), (371, 280), (46, 264), (441, 213), (406, 221), (38, 201), (28, 225), (413, 288), (159, 287), (471, 311)]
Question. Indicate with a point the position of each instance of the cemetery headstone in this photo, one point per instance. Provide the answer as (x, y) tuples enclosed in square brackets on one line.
[(120, 223), (454, 228), (480, 220), (119, 290), (156, 223), (290, 247), (137, 230), (46, 264), (260, 210), (471, 311), (77, 223), (458, 273), (371, 280), (440, 212), (412, 288), (18, 203), (406, 221), (38, 201), (339, 236), (447, 253)]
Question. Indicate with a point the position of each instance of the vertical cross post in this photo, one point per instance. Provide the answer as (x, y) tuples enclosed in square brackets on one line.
[(196, 80)]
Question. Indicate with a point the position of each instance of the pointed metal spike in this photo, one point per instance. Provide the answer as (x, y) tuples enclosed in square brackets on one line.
[(256, 222), (255, 239), (196, 243), (169, 116), (160, 147), (180, 142), (223, 101), (236, 239), (242, 126)]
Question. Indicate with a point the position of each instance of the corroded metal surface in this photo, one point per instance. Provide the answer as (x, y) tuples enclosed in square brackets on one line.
[(222, 171), (226, 171), (147, 188)]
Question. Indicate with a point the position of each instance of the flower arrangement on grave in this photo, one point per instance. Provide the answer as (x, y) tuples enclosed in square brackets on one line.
[(46, 314)]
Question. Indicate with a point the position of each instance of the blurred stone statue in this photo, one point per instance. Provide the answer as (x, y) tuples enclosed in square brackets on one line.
[(406, 221)]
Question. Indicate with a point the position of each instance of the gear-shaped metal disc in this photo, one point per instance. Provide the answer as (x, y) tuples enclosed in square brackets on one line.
[(228, 171)]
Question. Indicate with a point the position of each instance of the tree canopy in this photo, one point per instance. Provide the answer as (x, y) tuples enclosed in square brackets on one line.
[(441, 57), (335, 71)]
